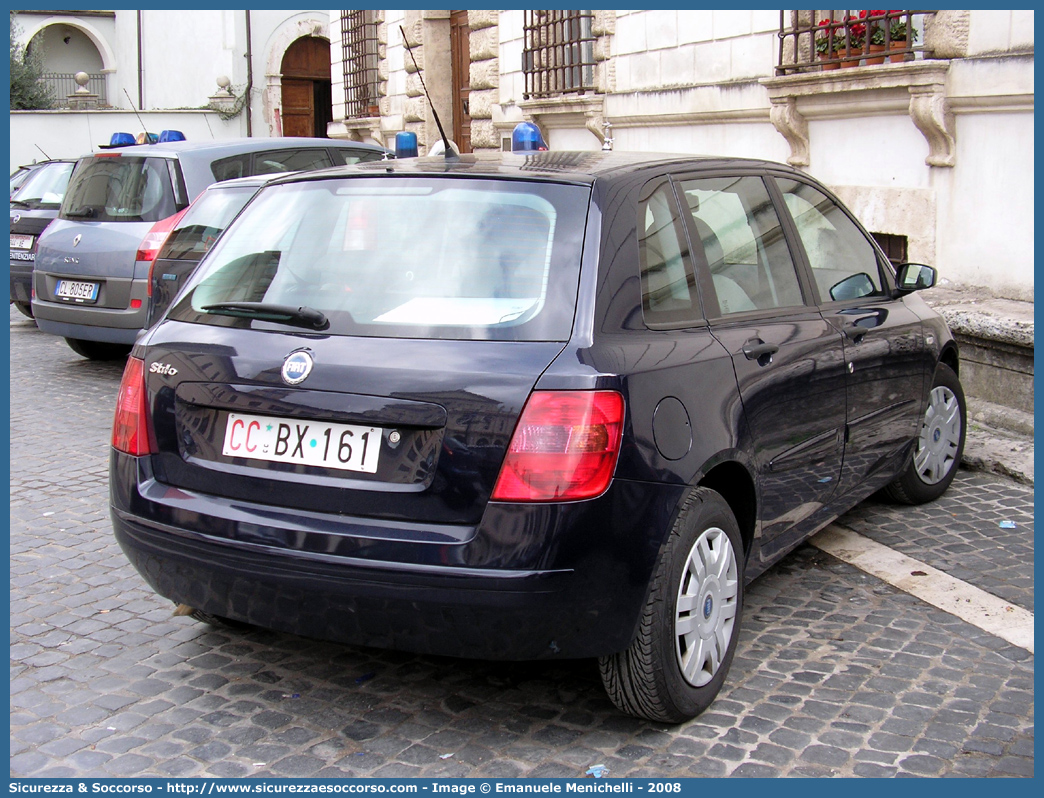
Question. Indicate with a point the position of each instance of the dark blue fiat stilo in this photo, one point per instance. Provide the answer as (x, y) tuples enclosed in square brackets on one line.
[(527, 406)]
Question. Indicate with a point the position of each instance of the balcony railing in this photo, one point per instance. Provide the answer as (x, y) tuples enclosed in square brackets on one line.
[(64, 83), (812, 41)]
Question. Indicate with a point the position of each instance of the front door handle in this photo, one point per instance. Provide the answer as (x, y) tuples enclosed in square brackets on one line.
[(756, 349)]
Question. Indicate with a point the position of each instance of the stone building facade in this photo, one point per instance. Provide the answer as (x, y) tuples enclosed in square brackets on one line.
[(934, 152)]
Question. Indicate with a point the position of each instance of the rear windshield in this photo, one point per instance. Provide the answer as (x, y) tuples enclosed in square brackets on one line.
[(404, 257), (204, 221), (44, 188), (120, 189)]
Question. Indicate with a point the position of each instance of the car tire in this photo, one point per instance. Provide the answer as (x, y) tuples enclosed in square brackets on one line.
[(98, 350), (670, 677), (940, 444), (24, 308)]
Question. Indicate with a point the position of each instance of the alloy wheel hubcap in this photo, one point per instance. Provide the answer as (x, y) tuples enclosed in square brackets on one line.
[(706, 608), (940, 436)]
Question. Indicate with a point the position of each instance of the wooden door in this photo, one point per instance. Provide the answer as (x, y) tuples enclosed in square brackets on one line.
[(306, 103), (461, 55)]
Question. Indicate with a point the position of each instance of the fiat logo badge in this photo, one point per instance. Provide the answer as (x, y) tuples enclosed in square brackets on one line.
[(77, 239), (16, 218), (297, 367)]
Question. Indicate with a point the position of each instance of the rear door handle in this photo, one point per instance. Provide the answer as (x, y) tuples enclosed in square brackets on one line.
[(756, 349)]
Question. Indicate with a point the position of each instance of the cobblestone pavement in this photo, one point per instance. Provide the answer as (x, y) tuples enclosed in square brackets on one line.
[(836, 673), (961, 533)]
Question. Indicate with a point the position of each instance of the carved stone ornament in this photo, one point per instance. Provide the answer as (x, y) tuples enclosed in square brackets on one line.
[(917, 87)]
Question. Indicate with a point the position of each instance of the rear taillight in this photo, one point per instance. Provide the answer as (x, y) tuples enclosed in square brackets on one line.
[(154, 239), (564, 448), (129, 431)]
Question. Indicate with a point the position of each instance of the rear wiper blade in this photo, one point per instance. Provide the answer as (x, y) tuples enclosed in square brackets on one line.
[(83, 213), (283, 314)]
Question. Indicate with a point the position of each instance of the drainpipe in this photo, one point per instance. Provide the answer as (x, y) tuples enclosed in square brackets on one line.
[(250, 75), (141, 86)]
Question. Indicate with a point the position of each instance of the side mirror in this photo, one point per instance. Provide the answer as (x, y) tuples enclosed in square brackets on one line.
[(915, 276)]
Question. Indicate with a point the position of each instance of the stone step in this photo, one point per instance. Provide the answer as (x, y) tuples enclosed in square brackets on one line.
[(996, 341)]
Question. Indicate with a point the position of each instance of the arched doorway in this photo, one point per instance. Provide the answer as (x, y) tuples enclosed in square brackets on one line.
[(305, 88)]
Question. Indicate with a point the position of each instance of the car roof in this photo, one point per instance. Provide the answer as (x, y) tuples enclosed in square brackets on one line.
[(558, 166), (221, 147)]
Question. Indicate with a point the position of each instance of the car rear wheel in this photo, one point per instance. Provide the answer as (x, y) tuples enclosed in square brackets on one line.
[(937, 453), (98, 350), (24, 308), (689, 627)]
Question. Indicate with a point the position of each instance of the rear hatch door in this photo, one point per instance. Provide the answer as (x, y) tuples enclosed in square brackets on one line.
[(110, 205), (442, 302), (393, 429)]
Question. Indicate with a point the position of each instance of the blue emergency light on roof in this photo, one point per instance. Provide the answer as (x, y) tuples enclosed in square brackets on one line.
[(121, 140), (406, 145), (526, 138), (171, 135)]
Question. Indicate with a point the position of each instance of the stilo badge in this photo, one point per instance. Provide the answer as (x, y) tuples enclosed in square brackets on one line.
[(297, 367)]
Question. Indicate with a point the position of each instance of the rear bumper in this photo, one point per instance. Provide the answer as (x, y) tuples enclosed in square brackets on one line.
[(91, 322), (529, 582)]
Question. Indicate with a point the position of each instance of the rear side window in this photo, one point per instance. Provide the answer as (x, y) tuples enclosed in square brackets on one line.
[(231, 168), (347, 157), (271, 162), (668, 287), (404, 258), (278, 161), (204, 221), (119, 189)]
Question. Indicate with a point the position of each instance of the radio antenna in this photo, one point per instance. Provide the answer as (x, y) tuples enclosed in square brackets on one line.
[(450, 154), (145, 129)]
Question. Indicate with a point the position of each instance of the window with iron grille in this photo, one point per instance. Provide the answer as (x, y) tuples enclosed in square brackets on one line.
[(559, 53), (894, 246), (826, 40), (359, 56)]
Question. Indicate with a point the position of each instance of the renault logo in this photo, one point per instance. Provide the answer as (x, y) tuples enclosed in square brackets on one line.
[(16, 218), (77, 239), (296, 367)]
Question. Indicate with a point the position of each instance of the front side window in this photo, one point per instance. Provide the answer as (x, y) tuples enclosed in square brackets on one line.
[(558, 54), (844, 263), (742, 244), (404, 257), (119, 189)]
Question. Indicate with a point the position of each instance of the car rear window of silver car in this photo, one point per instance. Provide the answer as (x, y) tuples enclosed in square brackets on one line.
[(120, 189), (404, 257)]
